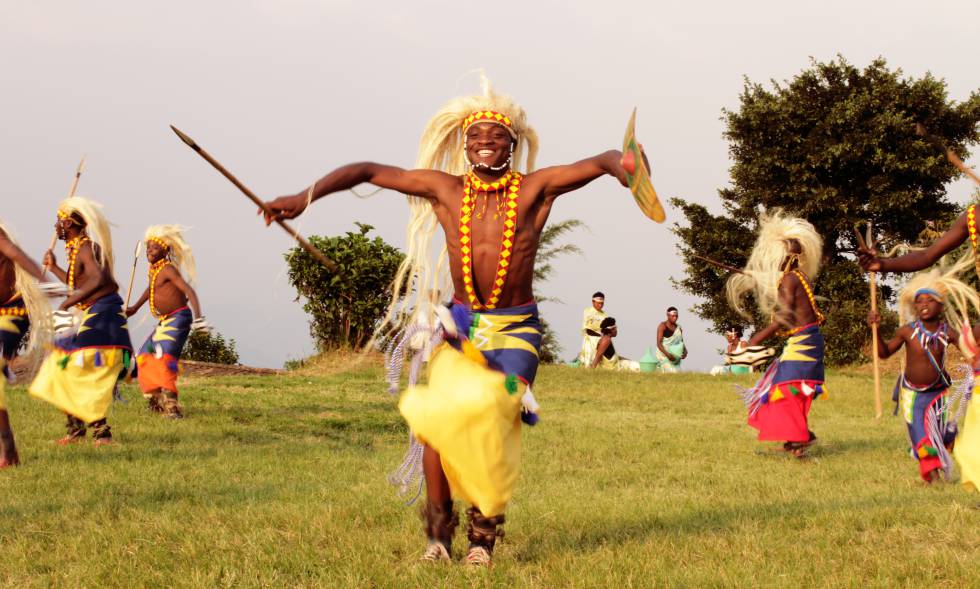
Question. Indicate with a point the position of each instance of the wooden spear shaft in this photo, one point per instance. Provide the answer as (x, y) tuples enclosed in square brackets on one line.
[(132, 274), (873, 284), (71, 193), (327, 262)]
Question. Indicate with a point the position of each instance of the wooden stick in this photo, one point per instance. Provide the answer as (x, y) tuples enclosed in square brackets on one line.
[(327, 262), (71, 193), (717, 264), (873, 284), (132, 273), (867, 242)]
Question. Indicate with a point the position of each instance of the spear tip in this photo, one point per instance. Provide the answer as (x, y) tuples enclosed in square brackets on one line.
[(185, 138)]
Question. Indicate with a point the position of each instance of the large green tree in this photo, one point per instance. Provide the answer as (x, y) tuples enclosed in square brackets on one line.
[(345, 306), (835, 145)]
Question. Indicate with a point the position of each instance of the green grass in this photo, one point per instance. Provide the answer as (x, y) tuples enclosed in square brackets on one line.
[(629, 481)]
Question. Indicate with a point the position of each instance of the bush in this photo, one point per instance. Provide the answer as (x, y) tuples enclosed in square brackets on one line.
[(210, 347)]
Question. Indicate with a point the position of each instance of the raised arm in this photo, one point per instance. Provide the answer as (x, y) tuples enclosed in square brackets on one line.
[(919, 259), (557, 180), (423, 183), (12, 251)]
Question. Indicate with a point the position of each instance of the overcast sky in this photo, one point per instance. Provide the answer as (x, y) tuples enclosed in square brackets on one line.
[(281, 92)]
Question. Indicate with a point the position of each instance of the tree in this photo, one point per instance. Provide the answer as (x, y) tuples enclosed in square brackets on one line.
[(837, 146), (203, 346), (345, 307), (548, 250)]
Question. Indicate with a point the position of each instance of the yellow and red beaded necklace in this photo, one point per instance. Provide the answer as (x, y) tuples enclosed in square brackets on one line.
[(471, 188), (496, 187), (809, 295), (71, 249), (155, 269), (971, 226)]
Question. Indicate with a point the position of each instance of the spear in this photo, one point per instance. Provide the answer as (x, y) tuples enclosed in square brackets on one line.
[(71, 193), (327, 262), (954, 159), (717, 264), (867, 243), (132, 273)]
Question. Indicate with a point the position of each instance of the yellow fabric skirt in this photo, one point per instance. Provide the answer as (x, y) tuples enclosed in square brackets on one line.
[(3, 385), (967, 448), (79, 383), (467, 414)]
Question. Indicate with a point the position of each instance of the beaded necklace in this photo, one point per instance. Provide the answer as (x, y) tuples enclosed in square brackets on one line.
[(155, 269), (71, 249), (809, 295), (496, 187), (466, 212), (971, 226), (13, 312)]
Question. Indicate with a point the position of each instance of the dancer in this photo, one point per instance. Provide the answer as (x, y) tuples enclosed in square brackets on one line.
[(779, 273), (670, 343), (932, 303), (169, 294), (492, 216), (22, 307), (591, 331), (967, 448), (92, 349)]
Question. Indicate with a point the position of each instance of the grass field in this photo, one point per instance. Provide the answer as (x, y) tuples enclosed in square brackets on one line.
[(629, 481)]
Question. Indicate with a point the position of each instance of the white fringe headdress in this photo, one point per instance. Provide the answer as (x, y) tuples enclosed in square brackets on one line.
[(442, 148), (38, 310), (942, 282), (769, 259), (178, 251), (96, 227)]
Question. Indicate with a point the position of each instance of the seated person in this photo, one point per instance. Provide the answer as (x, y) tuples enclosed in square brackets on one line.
[(735, 344), (605, 355)]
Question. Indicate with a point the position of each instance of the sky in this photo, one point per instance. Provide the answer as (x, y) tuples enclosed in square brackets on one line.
[(282, 92)]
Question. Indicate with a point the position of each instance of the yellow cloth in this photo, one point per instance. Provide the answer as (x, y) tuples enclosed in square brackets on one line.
[(467, 415), (967, 448), (3, 386), (84, 391)]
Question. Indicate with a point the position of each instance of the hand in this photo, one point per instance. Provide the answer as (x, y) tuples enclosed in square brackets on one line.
[(130, 311), (873, 318), (49, 260), (284, 207), (684, 355), (868, 259), (672, 357)]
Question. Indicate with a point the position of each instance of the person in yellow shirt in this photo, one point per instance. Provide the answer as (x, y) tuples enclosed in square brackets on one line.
[(592, 319)]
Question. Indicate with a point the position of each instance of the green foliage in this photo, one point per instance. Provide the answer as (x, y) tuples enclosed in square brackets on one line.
[(345, 307), (835, 145), (548, 250), (210, 347)]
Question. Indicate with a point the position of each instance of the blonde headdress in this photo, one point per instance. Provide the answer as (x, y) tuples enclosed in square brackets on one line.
[(771, 257), (942, 282), (96, 226), (171, 238), (38, 310), (442, 148)]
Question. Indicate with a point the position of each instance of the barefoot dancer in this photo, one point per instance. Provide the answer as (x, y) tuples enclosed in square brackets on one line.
[(932, 302), (168, 294), (779, 273), (92, 351), (21, 306), (467, 183)]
